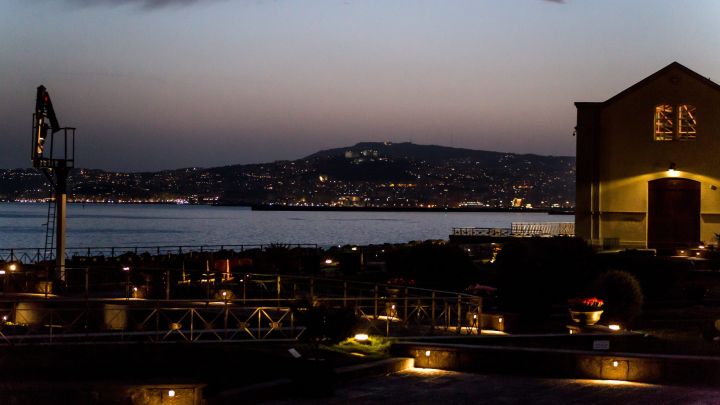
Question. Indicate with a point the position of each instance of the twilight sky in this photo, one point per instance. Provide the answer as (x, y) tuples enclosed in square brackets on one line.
[(156, 84)]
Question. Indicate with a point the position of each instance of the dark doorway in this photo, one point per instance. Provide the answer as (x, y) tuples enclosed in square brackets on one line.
[(673, 213)]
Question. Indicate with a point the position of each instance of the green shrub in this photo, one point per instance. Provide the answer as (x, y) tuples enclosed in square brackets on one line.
[(622, 294)]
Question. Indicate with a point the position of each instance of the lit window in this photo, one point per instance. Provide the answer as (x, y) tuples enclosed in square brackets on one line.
[(664, 123), (675, 122), (686, 122)]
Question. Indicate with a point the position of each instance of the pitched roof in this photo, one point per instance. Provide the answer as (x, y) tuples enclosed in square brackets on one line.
[(647, 80)]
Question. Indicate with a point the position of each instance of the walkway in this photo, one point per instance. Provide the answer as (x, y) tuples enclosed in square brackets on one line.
[(422, 386)]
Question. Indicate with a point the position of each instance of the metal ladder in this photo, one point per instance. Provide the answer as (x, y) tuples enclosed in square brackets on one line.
[(49, 230)]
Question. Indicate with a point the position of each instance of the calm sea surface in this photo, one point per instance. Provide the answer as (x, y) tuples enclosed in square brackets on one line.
[(23, 225)]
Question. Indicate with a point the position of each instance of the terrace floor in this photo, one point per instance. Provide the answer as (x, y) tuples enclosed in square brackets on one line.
[(422, 386)]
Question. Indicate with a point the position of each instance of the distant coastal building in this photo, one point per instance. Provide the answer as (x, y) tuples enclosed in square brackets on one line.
[(647, 163)]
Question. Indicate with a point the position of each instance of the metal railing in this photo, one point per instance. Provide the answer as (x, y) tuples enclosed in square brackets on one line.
[(254, 307), (36, 255), (521, 229)]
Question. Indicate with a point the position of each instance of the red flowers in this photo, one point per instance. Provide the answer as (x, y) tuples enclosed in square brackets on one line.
[(586, 304)]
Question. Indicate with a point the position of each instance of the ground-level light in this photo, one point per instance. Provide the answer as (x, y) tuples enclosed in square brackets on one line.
[(614, 327), (361, 337)]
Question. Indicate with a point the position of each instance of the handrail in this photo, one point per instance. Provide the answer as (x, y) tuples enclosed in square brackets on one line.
[(35, 255)]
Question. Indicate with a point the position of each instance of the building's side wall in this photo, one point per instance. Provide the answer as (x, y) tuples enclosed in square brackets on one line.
[(587, 134), (629, 157)]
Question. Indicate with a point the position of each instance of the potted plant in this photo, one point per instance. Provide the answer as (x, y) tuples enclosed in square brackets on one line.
[(586, 311)]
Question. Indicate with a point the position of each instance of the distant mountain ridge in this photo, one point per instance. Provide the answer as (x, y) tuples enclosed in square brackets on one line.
[(421, 152)]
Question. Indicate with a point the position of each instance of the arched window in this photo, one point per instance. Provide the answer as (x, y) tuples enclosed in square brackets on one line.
[(675, 122)]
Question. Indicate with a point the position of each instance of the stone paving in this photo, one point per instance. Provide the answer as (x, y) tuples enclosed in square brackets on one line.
[(421, 386)]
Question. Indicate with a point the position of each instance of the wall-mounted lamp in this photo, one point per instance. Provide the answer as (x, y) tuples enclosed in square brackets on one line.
[(671, 169)]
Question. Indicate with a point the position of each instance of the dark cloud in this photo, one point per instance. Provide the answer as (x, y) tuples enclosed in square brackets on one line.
[(146, 4)]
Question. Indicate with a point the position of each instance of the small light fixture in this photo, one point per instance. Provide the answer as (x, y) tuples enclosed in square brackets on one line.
[(328, 261), (12, 267), (614, 327), (354, 248), (362, 337), (2, 272), (126, 268), (615, 363), (427, 353), (500, 320), (171, 393), (671, 169)]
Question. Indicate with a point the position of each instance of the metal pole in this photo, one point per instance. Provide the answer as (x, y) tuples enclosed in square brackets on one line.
[(479, 315), (61, 174), (405, 309), (432, 311), (344, 294), (192, 318), (459, 314), (167, 284), (376, 303), (278, 290)]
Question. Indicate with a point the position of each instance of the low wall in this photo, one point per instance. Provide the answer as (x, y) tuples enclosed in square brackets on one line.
[(563, 363)]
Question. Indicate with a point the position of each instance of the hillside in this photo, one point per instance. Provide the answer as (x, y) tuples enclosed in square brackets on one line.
[(365, 174)]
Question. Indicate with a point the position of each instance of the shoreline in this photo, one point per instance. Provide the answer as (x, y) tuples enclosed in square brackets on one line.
[(267, 207), (279, 207)]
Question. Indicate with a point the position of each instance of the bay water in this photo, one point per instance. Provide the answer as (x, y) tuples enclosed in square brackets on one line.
[(22, 225)]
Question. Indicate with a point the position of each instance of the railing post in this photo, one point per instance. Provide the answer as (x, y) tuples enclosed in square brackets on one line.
[(405, 305), (157, 321), (459, 314), (227, 308), (278, 290), (167, 284), (432, 311), (447, 314), (345, 294), (87, 283), (375, 312), (479, 315), (259, 311)]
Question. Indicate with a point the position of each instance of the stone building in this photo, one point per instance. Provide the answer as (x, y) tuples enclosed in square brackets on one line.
[(648, 163)]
